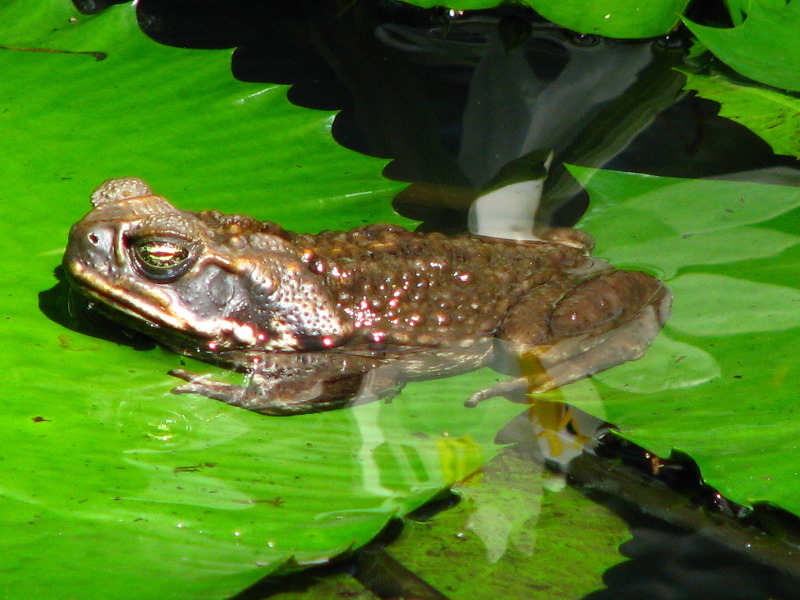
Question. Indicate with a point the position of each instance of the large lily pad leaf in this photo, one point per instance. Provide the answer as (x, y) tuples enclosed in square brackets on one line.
[(720, 384), (763, 47), (108, 480)]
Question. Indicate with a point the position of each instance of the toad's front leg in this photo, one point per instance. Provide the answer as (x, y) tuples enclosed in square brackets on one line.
[(316, 382)]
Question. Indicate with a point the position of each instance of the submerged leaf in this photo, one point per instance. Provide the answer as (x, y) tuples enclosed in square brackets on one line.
[(517, 533)]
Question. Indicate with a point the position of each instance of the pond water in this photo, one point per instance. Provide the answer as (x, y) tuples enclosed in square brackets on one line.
[(452, 100)]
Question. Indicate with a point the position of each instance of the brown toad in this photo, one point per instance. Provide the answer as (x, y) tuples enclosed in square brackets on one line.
[(316, 320)]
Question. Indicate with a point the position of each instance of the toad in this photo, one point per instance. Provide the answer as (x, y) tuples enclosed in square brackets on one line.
[(317, 321)]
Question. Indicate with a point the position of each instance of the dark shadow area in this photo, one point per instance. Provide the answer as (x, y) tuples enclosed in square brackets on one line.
[(688, 542), (453, 97), (667, 562)]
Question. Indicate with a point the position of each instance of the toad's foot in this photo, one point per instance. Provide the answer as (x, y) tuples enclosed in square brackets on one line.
[(510, 387)]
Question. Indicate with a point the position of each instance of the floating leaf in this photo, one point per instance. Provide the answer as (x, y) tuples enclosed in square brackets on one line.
[(764, 47)]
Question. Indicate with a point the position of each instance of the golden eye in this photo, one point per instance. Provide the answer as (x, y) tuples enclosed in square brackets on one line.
[(162, 260), (161, 255)]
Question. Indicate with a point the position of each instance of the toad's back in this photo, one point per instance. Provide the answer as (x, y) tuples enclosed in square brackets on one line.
[(432, 289)]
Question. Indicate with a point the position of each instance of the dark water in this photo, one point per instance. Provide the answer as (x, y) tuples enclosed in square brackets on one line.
[(452, 99)]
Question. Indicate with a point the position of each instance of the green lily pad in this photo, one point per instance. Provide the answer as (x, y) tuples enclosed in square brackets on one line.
[(720, 383), (763, 47), (109, 481)]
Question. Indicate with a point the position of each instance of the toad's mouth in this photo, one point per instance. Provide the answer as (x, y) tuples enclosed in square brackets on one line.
[(142, 306), (151, 310)]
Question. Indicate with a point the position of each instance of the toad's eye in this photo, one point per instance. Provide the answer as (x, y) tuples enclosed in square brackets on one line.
[(161, 260)]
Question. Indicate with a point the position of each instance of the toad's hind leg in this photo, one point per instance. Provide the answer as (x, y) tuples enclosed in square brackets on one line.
[(609, 301), (603, 322)]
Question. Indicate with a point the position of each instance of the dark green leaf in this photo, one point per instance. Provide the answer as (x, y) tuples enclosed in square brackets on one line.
[(515, 518)]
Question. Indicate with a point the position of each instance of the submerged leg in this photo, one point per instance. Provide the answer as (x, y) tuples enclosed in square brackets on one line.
[(608, 320)]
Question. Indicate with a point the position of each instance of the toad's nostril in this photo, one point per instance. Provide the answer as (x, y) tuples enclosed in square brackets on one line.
[(93, 239)]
